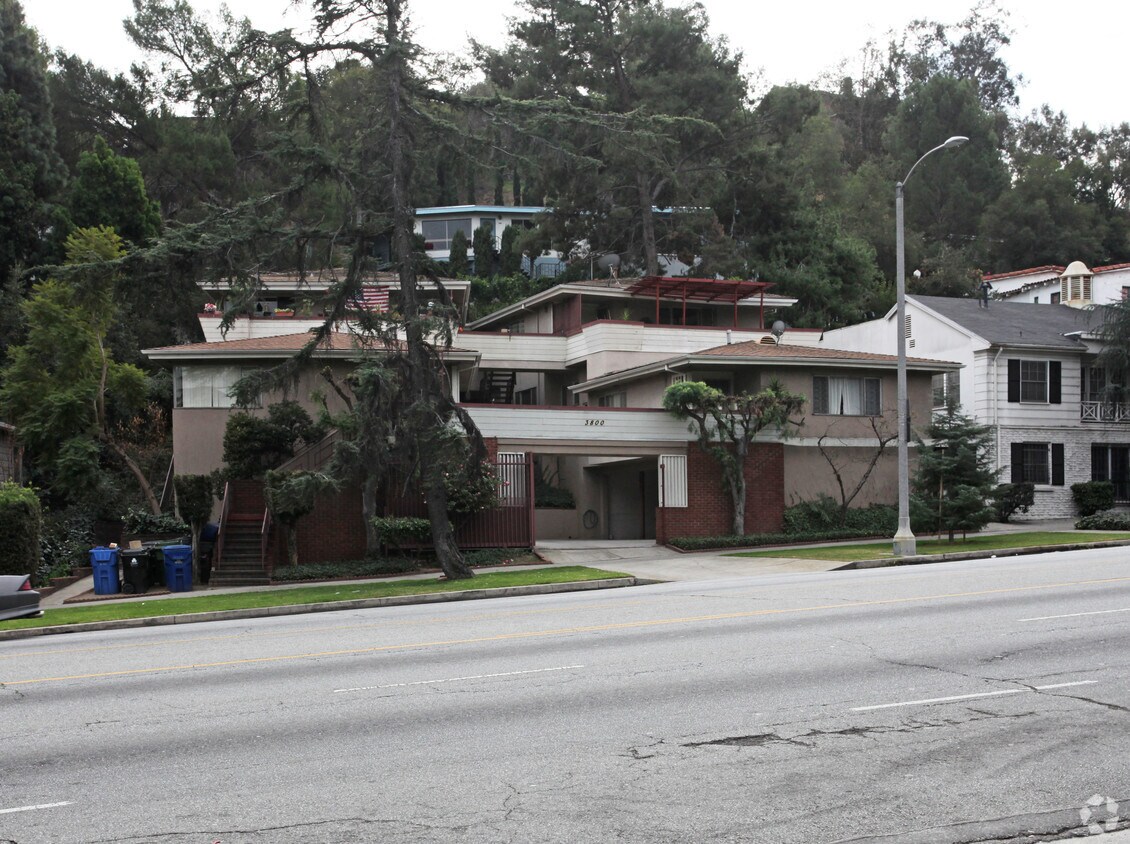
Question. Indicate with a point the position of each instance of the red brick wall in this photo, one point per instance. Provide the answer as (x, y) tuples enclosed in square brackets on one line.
[(335, 530), (709, 509)]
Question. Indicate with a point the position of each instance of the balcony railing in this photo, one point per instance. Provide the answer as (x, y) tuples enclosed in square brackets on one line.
[(1101, 411)]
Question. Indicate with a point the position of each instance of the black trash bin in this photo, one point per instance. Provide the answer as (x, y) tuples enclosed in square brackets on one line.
[(136, 574)]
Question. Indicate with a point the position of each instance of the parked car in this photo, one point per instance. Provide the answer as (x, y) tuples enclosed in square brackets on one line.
[(17, 598)]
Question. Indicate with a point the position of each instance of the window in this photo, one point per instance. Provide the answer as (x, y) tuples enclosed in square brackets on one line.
[(1037, 463), (438, 233), (1112, 463), (526, 396), (613, 400), (947, 388), (1034, 381), (207, 386), (833, 396)]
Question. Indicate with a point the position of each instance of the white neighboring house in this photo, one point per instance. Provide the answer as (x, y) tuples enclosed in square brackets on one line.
[(1074, 285), (1029, 373), (438, 224)]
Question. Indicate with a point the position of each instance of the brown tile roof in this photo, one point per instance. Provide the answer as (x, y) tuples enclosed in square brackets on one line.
[(756, 349), (1047, 268), (339, 341), (279, 343)]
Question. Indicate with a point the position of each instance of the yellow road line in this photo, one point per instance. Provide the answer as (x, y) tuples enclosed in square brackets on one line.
[(563, 631)]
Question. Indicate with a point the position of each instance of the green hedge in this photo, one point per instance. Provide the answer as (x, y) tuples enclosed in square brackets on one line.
[(1093, 497), (708, 543), (138, 522), (1104, 521), (385, 566), (21, 525), (823, 514)]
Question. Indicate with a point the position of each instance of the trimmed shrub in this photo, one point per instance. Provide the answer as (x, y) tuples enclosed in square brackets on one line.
[(139, 522), (346, 568), (1093, 496), (1104, 521), (1009, 499), (708, 543), (68, 535), (21, 524), (554, 497), (823, 514), (398, 531)]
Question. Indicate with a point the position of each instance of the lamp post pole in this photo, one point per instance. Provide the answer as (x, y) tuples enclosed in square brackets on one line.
[(905, 544)]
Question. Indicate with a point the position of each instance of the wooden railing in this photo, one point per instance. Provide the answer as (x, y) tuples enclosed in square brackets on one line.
[(1101, 411), (314, 456), (218, 550)]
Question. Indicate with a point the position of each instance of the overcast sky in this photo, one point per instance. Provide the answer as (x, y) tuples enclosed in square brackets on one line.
[(1071, 55)]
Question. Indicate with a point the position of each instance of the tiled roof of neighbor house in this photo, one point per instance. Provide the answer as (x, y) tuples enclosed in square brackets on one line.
[(754, 349), (1015, 323), (1047, 268), (340, 342), (1110, 268)]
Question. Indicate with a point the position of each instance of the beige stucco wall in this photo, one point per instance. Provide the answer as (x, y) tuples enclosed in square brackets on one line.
[(808, 475), (198, 432)]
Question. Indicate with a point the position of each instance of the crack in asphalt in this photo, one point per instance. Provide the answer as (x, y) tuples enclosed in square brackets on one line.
[(810, 738)]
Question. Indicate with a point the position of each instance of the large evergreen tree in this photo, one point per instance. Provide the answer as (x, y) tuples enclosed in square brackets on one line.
[(954, 483)]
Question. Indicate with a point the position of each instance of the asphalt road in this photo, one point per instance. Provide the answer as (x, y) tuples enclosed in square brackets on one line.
[(950, 702)]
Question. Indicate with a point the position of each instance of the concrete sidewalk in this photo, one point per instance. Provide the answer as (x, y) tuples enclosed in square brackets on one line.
[(640, 558)]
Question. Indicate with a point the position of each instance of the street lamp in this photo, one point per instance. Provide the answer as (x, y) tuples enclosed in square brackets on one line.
[(904, 544)]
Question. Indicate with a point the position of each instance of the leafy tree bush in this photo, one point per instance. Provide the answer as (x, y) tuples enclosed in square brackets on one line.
[(253, 444), (457, 255), (290, 496), (474, 488), (68, 536), (482, 244), (1009, 499), (510, 253), (1104, 521), (1093, 496), (194, 503), (21, 525)]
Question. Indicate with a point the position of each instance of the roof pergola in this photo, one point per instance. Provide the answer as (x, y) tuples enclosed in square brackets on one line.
[(701, 290)]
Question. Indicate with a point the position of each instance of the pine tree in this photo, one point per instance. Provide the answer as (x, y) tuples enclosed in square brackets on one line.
[(954, 482)]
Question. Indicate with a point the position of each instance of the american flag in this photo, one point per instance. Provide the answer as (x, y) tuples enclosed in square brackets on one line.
[(373, 297)]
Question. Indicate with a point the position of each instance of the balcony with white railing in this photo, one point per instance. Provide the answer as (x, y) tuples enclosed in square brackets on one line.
[(577, 425), (1101, 411)]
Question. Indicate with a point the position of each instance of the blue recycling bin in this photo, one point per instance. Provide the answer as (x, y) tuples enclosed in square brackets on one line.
[(104, 561), (178, 567)]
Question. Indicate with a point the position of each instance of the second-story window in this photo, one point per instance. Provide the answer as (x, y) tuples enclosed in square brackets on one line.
[(613, 400), (836, 396), (946, 388), (1034, 381)]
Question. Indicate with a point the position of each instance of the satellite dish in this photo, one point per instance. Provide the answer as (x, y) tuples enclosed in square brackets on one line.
[(778, 329), (607, 262)]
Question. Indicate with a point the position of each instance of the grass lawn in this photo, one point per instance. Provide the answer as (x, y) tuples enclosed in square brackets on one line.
[(287, 596), (882, 550)]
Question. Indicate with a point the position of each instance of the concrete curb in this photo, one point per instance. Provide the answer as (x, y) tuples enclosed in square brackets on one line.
[(922, 559), (327, 606)]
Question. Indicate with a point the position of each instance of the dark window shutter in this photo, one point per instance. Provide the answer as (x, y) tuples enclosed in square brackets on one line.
[(1057, 464), (1055, 392), (1013, 380), (1017, 462)]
